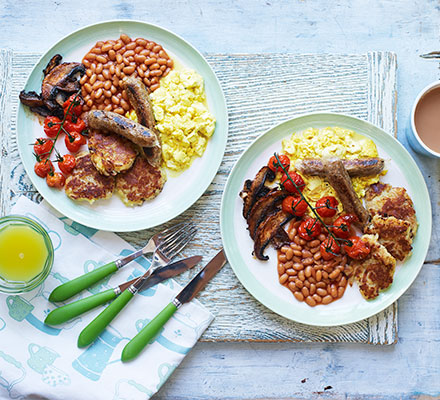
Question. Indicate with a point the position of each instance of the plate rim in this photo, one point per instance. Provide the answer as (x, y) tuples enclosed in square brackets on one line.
[(95, 223), (271, 303)]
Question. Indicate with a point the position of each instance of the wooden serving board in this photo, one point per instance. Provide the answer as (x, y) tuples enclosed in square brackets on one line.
[(261, 91)]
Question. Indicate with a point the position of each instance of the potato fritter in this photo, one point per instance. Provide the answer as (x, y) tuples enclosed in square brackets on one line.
[(386, 200), (86, 183), (111, 153), (394, 234), (374, 273), (141, 182)]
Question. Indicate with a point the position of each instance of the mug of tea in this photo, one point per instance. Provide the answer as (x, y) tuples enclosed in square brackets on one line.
[(424, 135)]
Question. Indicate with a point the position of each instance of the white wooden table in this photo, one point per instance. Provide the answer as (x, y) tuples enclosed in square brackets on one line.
[(409, 369)]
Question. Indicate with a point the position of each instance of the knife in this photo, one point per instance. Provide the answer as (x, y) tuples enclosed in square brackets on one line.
[(137, 344), (72, 310), (90, 333)]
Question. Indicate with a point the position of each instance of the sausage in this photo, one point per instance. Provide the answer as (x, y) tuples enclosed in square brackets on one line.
[(113, 122), (355, 167), (337, 176), (140, 100)]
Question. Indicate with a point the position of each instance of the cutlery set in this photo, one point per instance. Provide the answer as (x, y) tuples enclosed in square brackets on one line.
[(165, 246)]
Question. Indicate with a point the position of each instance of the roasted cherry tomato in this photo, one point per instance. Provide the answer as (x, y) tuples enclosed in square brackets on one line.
[(294, 205), (74, 141), (287, 184), (327, 206), (76, 107), (55, 179), (309, 229), (67, 163), (358, 248), (78, 126), (329, 248), (51, 126), (341, 227), (275, 166), (43, 167), (42, 147)]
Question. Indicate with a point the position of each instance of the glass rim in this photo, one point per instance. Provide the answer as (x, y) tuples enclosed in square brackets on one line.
[(8, 286)]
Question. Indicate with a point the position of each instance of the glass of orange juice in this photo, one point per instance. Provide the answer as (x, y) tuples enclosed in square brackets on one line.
[(26, 254)]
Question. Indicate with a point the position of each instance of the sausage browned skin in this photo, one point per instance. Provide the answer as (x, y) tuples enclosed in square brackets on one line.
[(113, 122), (338, 178), (140, 100), (355, 167)]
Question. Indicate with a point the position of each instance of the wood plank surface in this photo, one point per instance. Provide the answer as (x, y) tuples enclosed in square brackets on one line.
[(360, 85)]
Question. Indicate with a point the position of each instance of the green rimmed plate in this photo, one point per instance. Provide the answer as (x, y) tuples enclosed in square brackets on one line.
[(179, 192), (260, 278)]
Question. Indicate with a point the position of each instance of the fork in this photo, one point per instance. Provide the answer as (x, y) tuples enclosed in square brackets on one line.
[(74, 286), (168, 249)]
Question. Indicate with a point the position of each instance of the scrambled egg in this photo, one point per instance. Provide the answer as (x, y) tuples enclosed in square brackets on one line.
[(330, 142), (183, 119)]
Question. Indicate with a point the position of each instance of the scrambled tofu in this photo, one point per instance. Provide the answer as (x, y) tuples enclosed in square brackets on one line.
[(86, 183), (325, 143), (183, 119), (375, 273)]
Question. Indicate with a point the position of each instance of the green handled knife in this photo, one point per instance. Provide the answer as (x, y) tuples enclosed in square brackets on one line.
[(74, 286), (72, 310), (137, 344)]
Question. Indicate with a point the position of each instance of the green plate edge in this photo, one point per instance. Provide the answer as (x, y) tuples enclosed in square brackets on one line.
[(84, 215), (399, 155)]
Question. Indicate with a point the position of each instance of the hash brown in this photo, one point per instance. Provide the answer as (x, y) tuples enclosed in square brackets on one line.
[(111, 153), (141, 182), (386, 200), (374, 273), (394, 234), (86, 183)]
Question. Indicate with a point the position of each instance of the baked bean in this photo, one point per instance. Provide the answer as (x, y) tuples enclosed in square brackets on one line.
[(310, 301), (149, 61), (106, 74), (321, 285), (343, 281), (299, 284), (282, 258), (125, 38), (314, 243), (316, 249), (117, 46), (298, 266), (107, 94), (294, 246), (283, 278), (101, 59), (301, 275), (327, 299), (140, 72), (170, 63), (98, 69), (334, 274), (292, 278), (115, 100), (333, 291), (328, 268), (89, 103), (308, 271), (150, 45), (341, 290), (321, 291), (119, 58), (297, 259), (307, 284), (90, 56), (128, 53), (88, 88), (305, 291), (97, 85), (299, 296), (106, 47), (139, 58), (290, 272), (162, 61), (162, 54), (86, 63), (131, 46), (83, 79), (297, 253), (281, 268), (108, 107), (308, 261), (318, 275), (312, 279), (312, 288), (306, 254), (324, 275), (321, 237), (128, 70), (125, 105), (157, 48), (316, 256), (156, 72), (289, 254), (126, 61), (98, 93), (147, 81), (124, 95), (291, 286), (317, 298), (297, 240)]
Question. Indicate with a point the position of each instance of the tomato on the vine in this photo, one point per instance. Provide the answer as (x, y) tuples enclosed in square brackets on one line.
[(341, 227), (42, 147), (66, 163), (78, 126), (43, 167), (357, 248), (309, 229), (287, 184), (327, 206), (51, 126), (76, 107), (329, 248), (294, 205), (274, 165), (74, 141), (55, 179)]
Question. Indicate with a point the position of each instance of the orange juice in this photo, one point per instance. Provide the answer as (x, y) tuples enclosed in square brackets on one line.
[(23, 253)]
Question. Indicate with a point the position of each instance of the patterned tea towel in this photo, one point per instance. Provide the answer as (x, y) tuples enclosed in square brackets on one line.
[(39, 361)]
